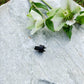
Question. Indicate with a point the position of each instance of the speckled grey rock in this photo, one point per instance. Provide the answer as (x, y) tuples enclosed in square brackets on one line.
[(62, 63)]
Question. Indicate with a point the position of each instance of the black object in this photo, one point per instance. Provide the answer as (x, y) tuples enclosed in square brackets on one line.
[(40, 48)]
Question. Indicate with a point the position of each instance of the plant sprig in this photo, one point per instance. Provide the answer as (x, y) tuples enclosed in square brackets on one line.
[(55, 18)]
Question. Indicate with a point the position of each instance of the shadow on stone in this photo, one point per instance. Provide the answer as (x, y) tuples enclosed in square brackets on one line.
[(44, 82)]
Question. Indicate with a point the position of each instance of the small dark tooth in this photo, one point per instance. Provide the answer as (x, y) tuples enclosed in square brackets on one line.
[(40, 48), (36, 48), (41, 51)]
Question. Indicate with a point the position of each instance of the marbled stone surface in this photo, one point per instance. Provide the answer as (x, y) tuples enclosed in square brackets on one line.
[(62, 63)]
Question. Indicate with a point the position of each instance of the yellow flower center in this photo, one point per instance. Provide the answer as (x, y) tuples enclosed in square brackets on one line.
[(67, 14)]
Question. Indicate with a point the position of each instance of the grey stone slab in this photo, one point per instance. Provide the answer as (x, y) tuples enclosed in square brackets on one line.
[(62, 63)]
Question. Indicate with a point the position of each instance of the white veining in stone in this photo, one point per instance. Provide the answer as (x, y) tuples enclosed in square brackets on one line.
[(62, 63)]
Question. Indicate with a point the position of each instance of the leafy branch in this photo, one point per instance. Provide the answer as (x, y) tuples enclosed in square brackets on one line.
[(55, 18)]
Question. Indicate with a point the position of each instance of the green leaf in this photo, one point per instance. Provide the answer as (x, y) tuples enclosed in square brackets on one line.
[(80, 19), (30, 8), (68, 30), (50, 25), (81, 12), (40, 5), (37, 11), (34, 7)]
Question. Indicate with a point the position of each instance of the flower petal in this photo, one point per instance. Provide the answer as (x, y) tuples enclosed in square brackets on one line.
[(66, 3), (32, 26), (37, 21), (70, 4), (35, 15), (30, 17), (38, 25), (34, 31), (63, 4), (60, 26), (70, 22), (74, 6), (76, 10), (58, 23)]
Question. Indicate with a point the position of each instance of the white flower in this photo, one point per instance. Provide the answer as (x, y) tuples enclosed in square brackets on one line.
[(65, 15), (36, 21)]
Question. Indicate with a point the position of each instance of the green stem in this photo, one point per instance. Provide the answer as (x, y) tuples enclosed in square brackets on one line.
[(47, 4), (39, 11), (30, 1)]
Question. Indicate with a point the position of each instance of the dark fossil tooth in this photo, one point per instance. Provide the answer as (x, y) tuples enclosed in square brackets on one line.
[(40, 48)]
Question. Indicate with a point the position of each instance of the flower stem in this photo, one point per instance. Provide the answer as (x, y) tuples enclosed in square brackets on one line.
[(39, 11), (30, 1), (46, 4)]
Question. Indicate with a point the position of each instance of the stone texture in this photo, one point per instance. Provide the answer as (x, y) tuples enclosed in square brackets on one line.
[(62, 63)]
